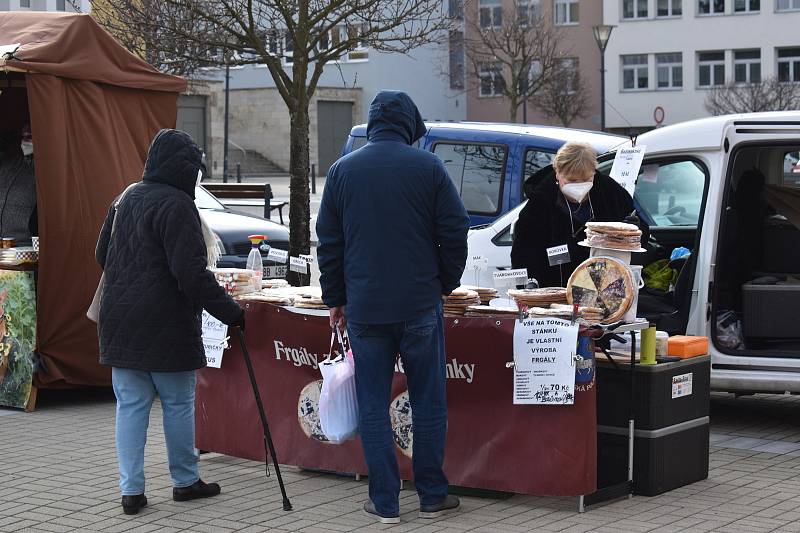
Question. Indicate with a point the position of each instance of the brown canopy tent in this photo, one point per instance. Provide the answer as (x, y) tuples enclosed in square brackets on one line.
[(93, 107)]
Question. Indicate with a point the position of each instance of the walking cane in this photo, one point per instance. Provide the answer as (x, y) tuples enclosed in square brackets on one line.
[(269, 447)]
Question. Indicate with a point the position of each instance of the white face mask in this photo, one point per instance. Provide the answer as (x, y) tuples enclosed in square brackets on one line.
[(577, 192), (199, 177)]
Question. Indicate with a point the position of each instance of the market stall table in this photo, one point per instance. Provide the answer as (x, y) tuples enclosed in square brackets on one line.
[(492, 444)]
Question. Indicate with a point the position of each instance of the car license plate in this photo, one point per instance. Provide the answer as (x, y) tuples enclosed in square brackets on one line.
[(274, 272)]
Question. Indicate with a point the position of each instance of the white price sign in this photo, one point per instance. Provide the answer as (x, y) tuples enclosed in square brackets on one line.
[(478, 262), (544, 361), (280, 256), (298, 265), (215, 340), (510, 275), (626, 166)]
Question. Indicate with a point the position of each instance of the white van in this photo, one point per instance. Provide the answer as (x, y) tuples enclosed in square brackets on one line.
[(728, 189)]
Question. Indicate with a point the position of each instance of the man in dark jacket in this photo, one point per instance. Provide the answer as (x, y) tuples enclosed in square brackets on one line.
[(156, 285), (392, 240), (554, 216)]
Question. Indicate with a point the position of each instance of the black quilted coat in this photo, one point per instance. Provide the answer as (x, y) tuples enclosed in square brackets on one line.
[(156, 280)]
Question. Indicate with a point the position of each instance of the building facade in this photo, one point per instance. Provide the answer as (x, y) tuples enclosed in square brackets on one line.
[(664, 56), (574, 20), (259, 121)]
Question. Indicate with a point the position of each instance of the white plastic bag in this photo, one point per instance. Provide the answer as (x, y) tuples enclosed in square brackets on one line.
[(338, 407)]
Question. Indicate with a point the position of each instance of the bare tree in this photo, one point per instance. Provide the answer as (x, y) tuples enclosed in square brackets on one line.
[(769, 95), (514, 57), (294, 39), (565, 96)]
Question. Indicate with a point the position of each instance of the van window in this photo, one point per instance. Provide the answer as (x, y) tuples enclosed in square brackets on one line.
[(477, 171), (670, 192), (535, 160)]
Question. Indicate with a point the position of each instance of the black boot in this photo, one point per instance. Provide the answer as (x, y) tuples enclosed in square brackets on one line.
[(132, 504), (199, 490)]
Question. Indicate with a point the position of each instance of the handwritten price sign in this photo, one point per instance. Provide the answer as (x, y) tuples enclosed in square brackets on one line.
[(544, 368)]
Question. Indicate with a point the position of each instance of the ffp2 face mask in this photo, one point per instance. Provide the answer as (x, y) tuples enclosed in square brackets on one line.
[(576, 192)]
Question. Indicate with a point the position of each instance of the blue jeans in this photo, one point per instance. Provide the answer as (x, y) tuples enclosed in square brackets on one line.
[(420, 343), (135, 391)]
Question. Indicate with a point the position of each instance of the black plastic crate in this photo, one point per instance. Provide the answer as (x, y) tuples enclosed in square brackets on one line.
[(663, 459), (770, 310), (655, 407)]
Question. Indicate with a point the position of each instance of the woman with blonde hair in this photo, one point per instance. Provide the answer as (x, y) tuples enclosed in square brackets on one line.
[(558, 210)]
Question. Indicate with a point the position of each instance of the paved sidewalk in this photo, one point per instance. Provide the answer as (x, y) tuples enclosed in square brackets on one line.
[(58, 473)]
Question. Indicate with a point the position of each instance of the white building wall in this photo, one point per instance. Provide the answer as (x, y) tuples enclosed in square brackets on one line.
[(690, 33)]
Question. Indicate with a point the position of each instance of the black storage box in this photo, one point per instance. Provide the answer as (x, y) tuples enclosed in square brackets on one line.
[(663, 459), (658, 403), (670, 446), (771, 310)]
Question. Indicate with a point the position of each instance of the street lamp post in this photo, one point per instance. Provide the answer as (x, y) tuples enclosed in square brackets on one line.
[(227, 108), (602, 34)]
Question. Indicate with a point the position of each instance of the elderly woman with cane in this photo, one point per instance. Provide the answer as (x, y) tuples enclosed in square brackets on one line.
[(155, 252)]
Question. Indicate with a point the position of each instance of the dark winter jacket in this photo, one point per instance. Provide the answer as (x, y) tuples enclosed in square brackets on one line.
[(156, 277), (545, 222), (392, 229)]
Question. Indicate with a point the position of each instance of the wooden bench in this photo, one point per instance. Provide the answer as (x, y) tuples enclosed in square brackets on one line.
[(256, 191)]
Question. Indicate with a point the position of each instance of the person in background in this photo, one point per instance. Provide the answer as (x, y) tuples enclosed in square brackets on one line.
[(558, 210), (392, 240), (157, 283), (17, 189)]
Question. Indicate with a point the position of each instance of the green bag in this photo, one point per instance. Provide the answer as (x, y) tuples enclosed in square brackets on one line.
[(659, 275)]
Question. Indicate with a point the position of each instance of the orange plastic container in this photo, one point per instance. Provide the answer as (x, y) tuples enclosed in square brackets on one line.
[(684, 346)]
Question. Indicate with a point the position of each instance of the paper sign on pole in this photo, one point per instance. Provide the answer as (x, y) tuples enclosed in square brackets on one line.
[(626, 166), (280, 256), (215, 339), (298, 265), (544, 361)]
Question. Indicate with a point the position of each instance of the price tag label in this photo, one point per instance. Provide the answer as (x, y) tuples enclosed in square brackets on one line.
[(478, 262), (626, 166), (296, 264), (215, 335), (504, 276), (281, 256), (307, 258), (558, 255)]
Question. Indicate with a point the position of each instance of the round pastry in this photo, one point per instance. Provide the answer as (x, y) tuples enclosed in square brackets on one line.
[(308, 411), (400, 414), (614, 228), (602, 282)]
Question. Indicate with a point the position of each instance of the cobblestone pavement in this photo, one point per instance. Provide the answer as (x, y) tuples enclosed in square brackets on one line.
[(58, 473)]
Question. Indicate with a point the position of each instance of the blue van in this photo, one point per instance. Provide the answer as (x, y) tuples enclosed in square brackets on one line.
[(489, 162)]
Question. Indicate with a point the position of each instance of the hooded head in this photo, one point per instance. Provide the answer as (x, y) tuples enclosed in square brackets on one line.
[(394, 116), (173, 159)]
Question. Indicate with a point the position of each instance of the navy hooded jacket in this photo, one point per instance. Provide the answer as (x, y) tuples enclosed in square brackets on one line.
[(392, 228)]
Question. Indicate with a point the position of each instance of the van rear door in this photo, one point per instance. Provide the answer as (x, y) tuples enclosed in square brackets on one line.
[(756, 273)]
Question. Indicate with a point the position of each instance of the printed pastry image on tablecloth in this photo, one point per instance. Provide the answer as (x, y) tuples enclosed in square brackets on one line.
[(605, 283), (400, 414), (308, 411)]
